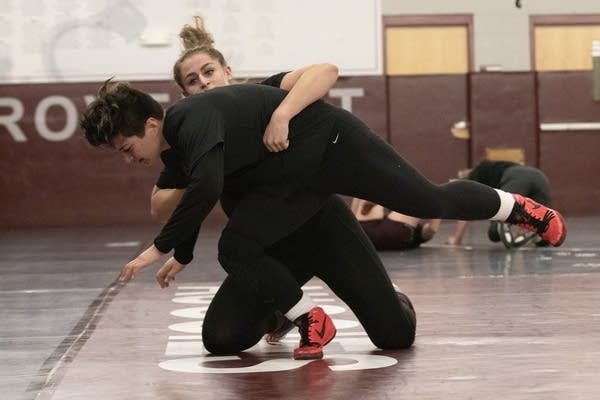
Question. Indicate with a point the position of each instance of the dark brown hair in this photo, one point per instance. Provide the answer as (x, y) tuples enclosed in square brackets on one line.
[(118, 110)]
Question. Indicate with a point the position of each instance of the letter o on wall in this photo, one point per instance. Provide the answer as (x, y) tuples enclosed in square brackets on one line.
[(71, 120)]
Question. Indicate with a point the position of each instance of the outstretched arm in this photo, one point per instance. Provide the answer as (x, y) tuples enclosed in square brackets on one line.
[(163, 202), (167, 272), (181, 231), (306, 85), (169, 188), (365, 210), (459, 233), (206, 185), (429, 229)]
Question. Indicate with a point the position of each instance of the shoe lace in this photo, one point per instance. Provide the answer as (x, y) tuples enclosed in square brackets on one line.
[(305, 330), (526, 219)]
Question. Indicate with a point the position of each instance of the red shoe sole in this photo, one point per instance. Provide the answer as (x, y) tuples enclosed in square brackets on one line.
[(309, 356), (318, 354)]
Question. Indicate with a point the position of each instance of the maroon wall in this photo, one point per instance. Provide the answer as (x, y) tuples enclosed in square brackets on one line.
[(52, 177), (422, 109), (503, 113), (570, 158)]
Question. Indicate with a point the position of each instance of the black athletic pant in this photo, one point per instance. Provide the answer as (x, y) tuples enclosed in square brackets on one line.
[(356, 163), (360, 164), (330, 246)]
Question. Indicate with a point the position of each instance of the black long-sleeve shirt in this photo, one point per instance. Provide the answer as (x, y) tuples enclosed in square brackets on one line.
[(218, 135), (173, 177)]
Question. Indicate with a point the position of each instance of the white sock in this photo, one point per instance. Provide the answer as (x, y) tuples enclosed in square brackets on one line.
[(304, 305), (507, 202)]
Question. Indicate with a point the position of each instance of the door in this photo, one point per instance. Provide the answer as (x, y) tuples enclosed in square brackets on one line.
[(427, 60)]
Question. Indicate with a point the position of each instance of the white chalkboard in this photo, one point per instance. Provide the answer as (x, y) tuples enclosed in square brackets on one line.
[(85, 40)]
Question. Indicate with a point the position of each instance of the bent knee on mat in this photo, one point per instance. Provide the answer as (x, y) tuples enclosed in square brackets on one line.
[(221, 343), (395, 341), (399, 334)]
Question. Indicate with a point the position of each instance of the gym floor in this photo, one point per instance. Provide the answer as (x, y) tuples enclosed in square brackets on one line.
[(492, 323)]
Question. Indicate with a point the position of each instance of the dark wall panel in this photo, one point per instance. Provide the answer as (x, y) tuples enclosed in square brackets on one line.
[(503, 114), (422, 111), (51, 176), (570, 157), (567, 97), (572, 165)]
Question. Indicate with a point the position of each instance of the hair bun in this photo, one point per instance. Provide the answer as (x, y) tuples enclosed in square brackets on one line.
[(196, 36)]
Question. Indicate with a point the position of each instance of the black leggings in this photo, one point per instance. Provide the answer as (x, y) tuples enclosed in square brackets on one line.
[(360, 164), (262, 280), (330, 246)]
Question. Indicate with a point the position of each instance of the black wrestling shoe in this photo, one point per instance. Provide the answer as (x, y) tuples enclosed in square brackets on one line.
[(513, 236), (282, 327), (493, 231)]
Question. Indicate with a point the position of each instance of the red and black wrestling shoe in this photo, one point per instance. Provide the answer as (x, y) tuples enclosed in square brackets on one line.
[(316, 330), (534, 217)]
